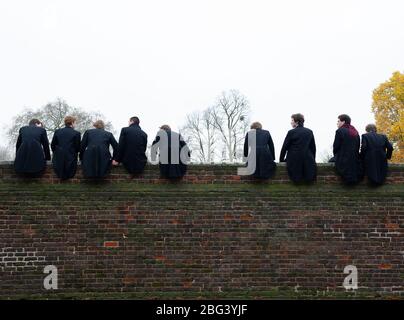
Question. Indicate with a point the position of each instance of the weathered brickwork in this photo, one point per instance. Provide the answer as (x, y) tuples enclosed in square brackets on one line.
[(214, 234)]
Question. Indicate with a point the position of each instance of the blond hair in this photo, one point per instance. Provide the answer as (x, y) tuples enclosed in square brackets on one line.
[(69, 120), (256, 125)]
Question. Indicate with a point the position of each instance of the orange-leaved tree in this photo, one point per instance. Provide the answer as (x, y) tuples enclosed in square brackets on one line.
[(388, 108)]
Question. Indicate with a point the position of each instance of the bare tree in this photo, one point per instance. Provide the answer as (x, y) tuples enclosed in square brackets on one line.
[(231, 118), (52, 116), (5, 154), (326, 155), (201, 135)]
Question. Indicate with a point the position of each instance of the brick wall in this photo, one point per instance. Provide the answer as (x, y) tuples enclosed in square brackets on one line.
[(214, 234)]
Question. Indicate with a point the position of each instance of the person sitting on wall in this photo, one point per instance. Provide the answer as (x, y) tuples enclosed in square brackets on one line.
[(66, 147), (95, 156), (173, 153), (132, 147), (299, 148), (32, 149), (346, 151), (375, 151), (264, 152)]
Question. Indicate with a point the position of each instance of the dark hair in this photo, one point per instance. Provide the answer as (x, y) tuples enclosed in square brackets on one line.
[(34, 122), (345, 118), (99, 124), (135, 120), (165, 127), (69, 120), (298, 118), (371, 128)]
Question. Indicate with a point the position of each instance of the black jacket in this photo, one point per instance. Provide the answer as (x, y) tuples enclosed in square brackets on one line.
[(95, 155), (375, 151), (132, 149), (300, 150), (32, 150), (172, 145), (346, 155), (65, 146), (265, 154)]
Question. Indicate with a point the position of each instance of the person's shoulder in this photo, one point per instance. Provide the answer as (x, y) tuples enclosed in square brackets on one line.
[(341, 130), (24, 128), (383, 136)]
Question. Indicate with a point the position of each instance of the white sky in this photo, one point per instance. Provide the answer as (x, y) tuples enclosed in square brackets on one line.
[(160, 60)]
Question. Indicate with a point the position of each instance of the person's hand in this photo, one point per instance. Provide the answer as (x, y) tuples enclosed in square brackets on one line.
[(115, 163)]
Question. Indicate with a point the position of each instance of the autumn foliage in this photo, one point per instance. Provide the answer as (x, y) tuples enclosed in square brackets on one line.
[(388, 108)]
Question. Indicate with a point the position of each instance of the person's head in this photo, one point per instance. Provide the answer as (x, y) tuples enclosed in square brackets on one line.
[(165, 127), (99, 124), (297, 119), (343, 119), (371, 128), (256, 125), (70, 121), (134, 120), (35, 122)]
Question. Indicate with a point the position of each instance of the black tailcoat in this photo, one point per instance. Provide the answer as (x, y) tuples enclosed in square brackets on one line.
[(174, 143), (265, 154), (346, 154), (32, 150), (375, 151), (300, 150), (132, 149), (95, 155), (65, 146)]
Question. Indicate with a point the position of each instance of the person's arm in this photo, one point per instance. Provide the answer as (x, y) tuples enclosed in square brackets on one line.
[(154, 148), (285, 148), (271, 146), (389, 148), (45, 144), (83, 145), (19, 141), (313, 146), (77, 142), (337, 143), (144, 142), (246, 145), (114, 145), (364, 147), (183, 144), (54, 142)]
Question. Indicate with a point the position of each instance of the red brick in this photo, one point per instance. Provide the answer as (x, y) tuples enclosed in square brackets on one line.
[(111, 244)]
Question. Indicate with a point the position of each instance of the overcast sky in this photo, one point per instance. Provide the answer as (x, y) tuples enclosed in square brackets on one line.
[(162, 59)]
